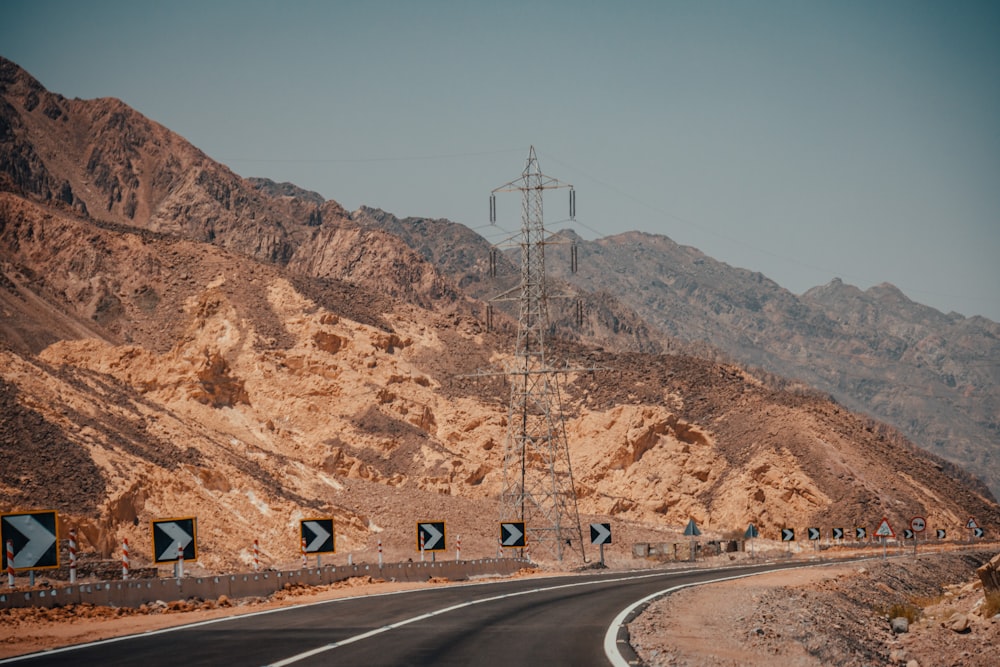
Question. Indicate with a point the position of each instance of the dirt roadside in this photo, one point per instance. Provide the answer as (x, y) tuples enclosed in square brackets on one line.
[(834, 615)]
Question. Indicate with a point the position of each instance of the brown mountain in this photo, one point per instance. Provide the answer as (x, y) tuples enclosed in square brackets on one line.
[(243, 352), (934, 376)]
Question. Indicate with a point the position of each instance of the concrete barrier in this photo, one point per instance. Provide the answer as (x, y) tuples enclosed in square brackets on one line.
[(136, 592)]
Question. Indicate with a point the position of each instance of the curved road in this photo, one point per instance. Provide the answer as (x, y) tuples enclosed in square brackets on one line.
[(554, 621)]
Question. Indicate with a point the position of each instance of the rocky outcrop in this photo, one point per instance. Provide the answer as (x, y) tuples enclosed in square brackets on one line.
[(220, 383)]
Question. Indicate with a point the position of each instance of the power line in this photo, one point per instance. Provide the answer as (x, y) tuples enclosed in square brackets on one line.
[(357, 160)]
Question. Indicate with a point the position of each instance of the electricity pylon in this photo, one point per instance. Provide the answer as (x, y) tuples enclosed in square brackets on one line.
[(537, 475)]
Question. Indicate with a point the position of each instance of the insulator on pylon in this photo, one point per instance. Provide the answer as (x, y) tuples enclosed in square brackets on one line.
[(493, 208), (572, 258), (572, 204), (493, 262)]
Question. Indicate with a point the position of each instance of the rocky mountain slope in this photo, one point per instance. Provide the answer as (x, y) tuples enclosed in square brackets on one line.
[(298, 361), (932, 375)]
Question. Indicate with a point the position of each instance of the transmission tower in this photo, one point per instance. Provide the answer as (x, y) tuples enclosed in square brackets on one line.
[(537, 475)]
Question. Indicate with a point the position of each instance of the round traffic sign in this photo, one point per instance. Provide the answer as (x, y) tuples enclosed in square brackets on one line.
[(918, 524)]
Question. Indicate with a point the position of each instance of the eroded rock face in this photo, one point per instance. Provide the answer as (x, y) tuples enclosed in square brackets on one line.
[(230, 350), (248, 402)]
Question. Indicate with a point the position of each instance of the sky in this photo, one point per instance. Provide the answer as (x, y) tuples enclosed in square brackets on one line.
[(805, 139)]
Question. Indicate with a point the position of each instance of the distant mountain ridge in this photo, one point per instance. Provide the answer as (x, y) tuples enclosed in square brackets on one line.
[(934, 376)]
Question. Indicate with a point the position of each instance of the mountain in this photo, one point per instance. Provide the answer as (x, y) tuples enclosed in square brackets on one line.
[(247, 353), (934, 376)]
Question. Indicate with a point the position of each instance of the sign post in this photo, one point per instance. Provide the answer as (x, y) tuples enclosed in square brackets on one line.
[(600, 534), (973, 528), (814, 534), (431, 537), (788, 535), (692, 531), (174, 541), (317, 538), (884, 531), (512, 536), (751, 533), (918, 524)]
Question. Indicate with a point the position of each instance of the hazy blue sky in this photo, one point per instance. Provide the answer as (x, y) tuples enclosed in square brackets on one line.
[(807, 140)]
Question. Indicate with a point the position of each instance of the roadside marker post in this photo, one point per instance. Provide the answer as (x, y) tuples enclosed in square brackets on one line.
[(72, 555), (10, 563), (256, 556), (125, 560), (380, 552), (180, 562), (458, 548)]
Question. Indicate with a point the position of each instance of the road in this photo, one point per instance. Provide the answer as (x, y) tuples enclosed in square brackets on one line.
[(553, 621)]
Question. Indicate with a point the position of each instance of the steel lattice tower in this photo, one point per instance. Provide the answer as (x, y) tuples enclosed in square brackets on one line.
[(537, 475)]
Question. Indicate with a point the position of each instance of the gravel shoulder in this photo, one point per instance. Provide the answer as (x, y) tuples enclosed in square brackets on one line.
[(832, 615)]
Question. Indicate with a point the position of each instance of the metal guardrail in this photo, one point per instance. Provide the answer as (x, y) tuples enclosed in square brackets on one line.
[(136, 592)]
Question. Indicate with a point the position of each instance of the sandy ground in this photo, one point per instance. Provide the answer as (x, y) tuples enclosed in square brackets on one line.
[(834, 615)]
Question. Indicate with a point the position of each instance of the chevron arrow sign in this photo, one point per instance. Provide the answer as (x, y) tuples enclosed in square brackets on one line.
[(171, 536), (433, 534), (512, 534), (318, 534), (33, 535)]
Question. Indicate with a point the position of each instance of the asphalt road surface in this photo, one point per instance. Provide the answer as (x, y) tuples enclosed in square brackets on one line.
[(538, 621)]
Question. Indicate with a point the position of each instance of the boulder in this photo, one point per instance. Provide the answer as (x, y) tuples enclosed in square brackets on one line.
[(957, 622)]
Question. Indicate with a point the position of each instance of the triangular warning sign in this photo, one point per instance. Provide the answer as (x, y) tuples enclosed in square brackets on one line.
[(884, 529), (971, 523)]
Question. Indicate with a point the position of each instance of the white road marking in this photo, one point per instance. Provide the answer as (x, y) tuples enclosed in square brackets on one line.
[(611, 636), (371, 633)]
